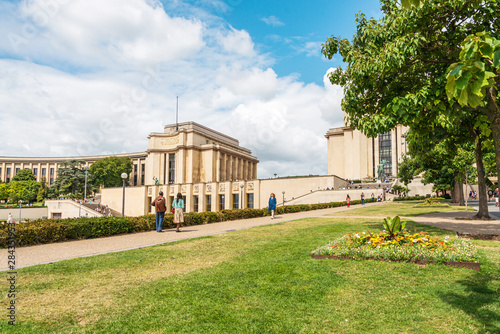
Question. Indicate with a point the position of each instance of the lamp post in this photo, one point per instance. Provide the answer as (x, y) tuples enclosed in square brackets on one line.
[(241, 186), (20, 203), (283, 192), (124, 176), (85, 191)]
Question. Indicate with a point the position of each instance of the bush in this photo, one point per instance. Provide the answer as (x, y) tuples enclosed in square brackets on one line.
[(45, 231), (409, 198), (446, 196)]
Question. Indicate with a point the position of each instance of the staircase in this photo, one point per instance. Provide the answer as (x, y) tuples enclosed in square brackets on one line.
[(110, 211)]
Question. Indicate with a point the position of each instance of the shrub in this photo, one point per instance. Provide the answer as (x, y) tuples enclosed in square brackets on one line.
[(409, 198)]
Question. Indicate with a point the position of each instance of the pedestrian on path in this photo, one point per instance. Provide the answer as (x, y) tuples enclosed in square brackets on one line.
[(373, 197), (496, 196), (160, 208), (272, 204), (178, 205), (348, 200), (363, 198)]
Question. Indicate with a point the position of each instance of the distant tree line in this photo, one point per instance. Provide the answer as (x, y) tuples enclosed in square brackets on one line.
[(70, 180)]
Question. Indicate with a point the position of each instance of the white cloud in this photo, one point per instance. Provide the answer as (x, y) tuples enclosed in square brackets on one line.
[(100, 33), (311, 49), (129, 87), (237, 41), (272, 21)]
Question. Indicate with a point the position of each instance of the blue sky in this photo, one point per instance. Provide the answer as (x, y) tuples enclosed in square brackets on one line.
[(292, 31), (87, 77)]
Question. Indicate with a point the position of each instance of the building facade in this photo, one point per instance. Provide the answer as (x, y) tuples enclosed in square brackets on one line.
[(183, 153), (353, 156)]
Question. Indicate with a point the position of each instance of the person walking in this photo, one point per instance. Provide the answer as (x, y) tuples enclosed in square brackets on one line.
[(160, 208), (178, 205), (272, 204), (496, 196), (363, 198), (348, 200), (373, 197)]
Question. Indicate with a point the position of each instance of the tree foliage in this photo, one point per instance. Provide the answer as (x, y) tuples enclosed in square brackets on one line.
[(70, 178), (107, 172), (397, 67), (24, 175)]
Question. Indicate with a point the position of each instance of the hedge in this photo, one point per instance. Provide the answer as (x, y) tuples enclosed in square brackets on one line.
[(43, 231), (409, 198)]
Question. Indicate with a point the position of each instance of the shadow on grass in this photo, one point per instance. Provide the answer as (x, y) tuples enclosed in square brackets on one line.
[(478, 300)]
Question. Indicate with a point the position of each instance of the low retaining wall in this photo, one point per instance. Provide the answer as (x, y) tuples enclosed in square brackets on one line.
[(26, 213)]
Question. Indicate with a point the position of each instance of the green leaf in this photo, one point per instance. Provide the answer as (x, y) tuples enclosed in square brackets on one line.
[(462, 82), (496, 59), (486, 50), (464, 97), (406, 4), (456, 71), (450, 87)]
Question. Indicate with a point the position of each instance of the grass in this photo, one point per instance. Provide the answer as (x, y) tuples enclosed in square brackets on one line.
[(258, 280), (405, 209)]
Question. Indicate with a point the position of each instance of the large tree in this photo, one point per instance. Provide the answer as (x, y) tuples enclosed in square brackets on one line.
[(397, 66), (70, 178), (107, 172), (24, 175)]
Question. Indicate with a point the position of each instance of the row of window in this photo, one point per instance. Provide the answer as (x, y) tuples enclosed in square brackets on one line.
[(385, 152), (222, 202), (34, 170)]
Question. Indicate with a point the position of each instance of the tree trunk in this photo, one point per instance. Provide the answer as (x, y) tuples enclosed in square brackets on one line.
[(483, 200), (492, 110), (462, 199), (455, 195)]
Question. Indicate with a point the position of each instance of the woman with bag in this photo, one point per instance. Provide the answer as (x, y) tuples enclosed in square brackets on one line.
[(178, 207)]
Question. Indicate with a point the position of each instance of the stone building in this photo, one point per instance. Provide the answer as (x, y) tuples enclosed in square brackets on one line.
[(210, 169), (352, 155)]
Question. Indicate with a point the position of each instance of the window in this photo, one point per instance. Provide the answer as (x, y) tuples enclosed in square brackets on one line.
[(385, 152), (143, 176), (7, 180), (135, 179), (195, 203), (135, 168), (43, 172), (52, 172), (250, 201), (222, 202), (51, 181), (35, 172), (208, 204), (236, 201), (171, 168), (17, 170)]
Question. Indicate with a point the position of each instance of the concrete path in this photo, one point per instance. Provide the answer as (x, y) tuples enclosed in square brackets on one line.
[(43, 254)]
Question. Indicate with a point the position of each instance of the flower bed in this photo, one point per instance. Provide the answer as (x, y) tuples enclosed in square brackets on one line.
[(401, 246)]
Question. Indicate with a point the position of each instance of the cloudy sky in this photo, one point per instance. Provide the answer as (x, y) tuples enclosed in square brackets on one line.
[(88, 77)]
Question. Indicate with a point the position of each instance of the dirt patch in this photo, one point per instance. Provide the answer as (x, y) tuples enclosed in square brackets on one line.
[(479, 236)]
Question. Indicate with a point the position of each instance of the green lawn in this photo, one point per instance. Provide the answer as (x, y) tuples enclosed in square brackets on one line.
[(258, 280), (405, 209)]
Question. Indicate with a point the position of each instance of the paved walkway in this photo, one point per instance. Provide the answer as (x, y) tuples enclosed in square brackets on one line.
[(43, 254)]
